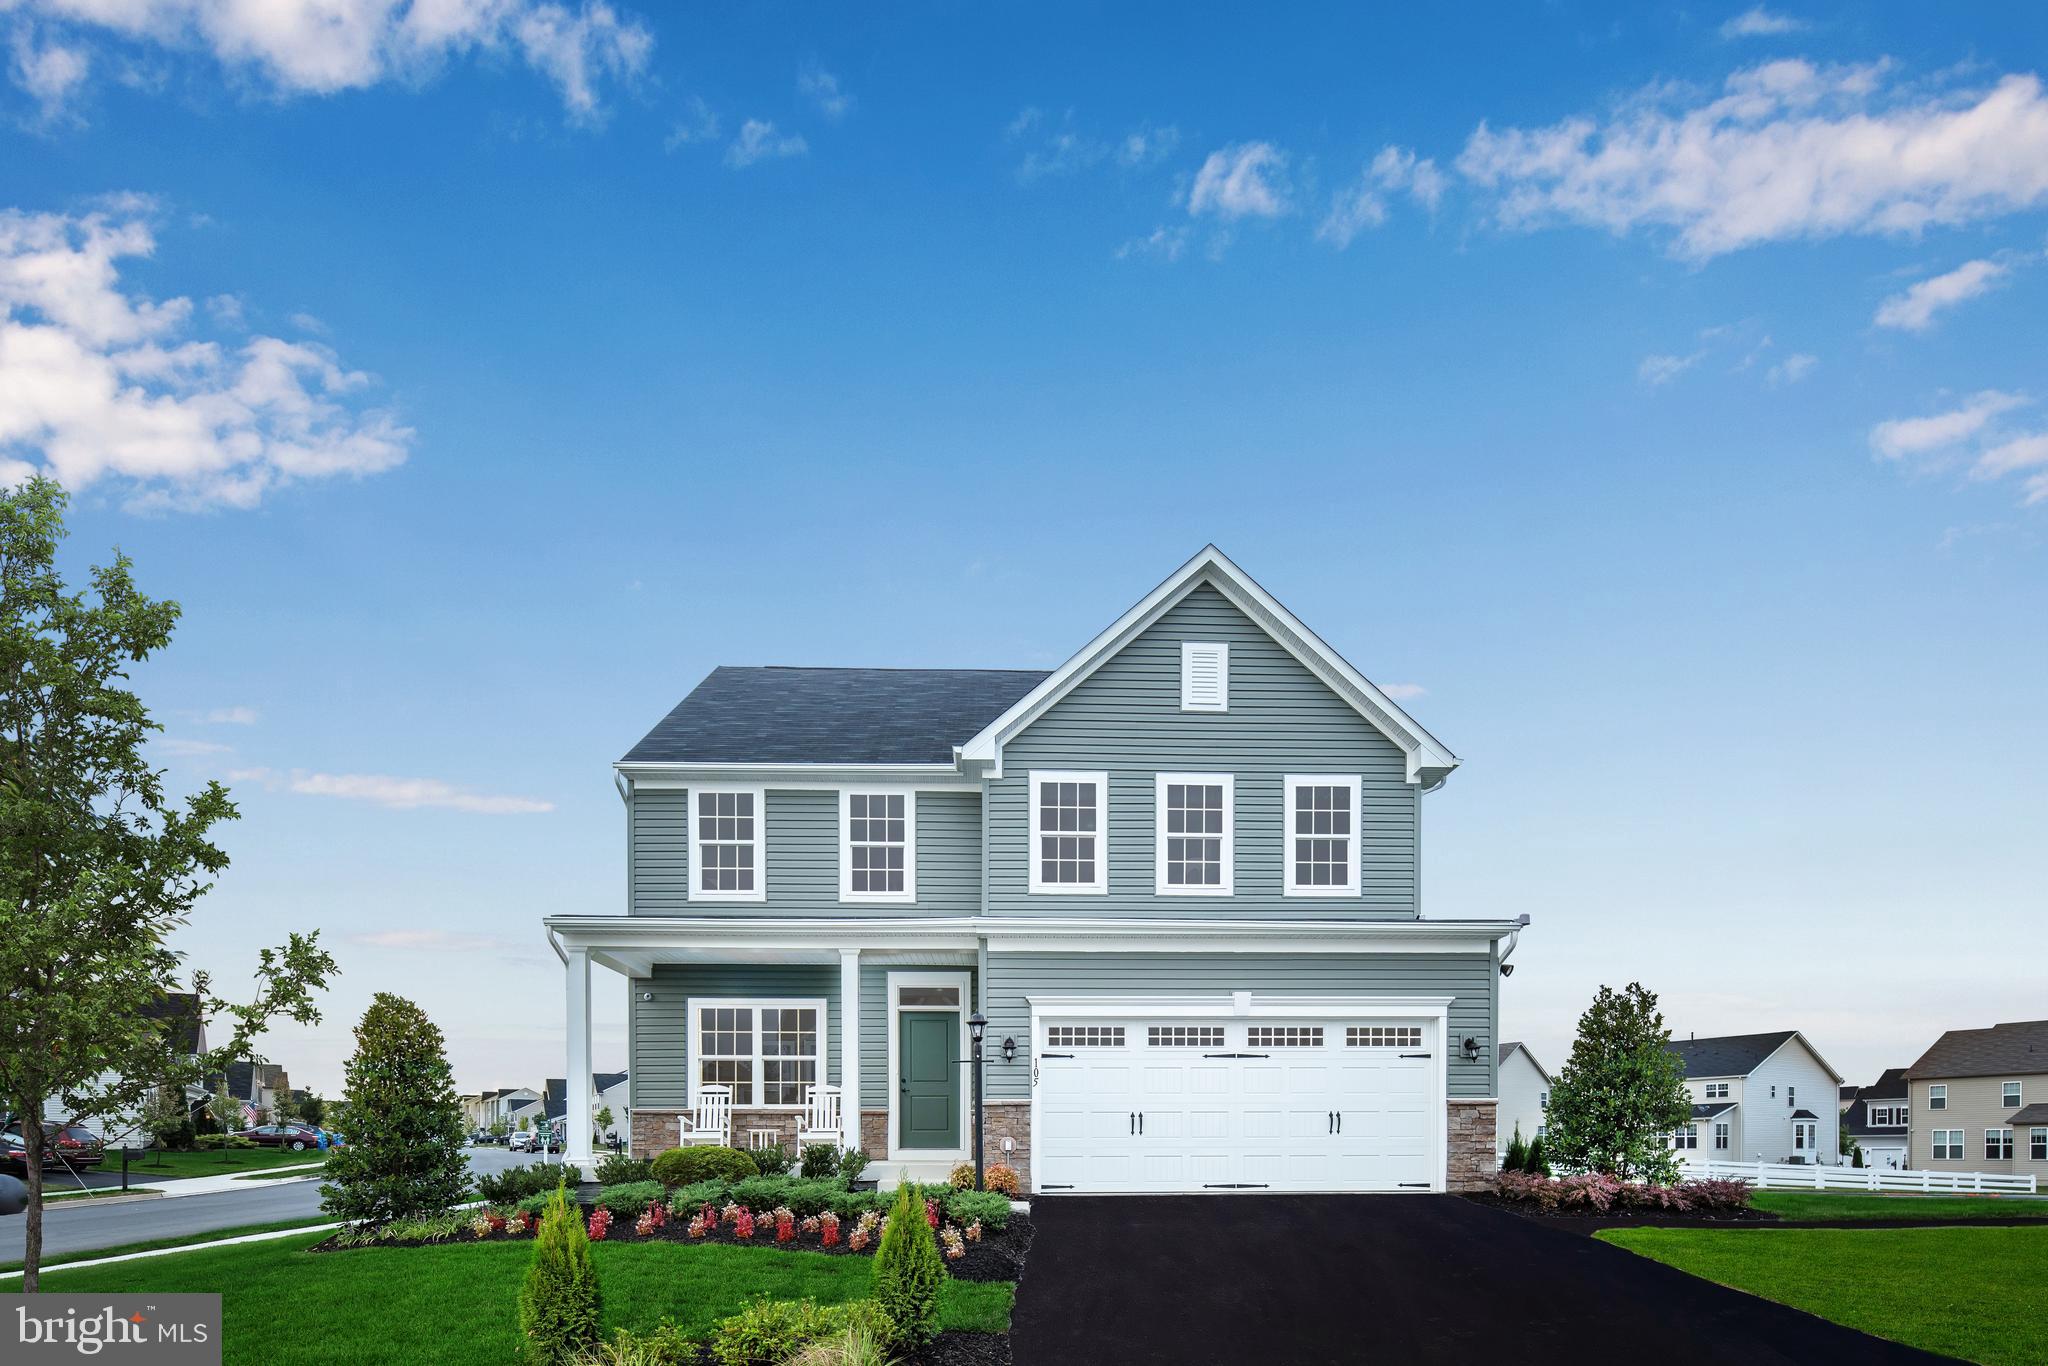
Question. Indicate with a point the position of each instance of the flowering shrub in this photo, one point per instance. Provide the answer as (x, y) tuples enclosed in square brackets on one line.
[(1598, 1193), (866, 1230), (828, 1230), (955, 1245), (1001, 1177), (600, 1224), (809, 1223), (961, 1178), (654, 1217), (482, 1227), (973, 1234), (785, 1225), (699, 1226), (519, 1223), (742, 1220), (931, 1213)]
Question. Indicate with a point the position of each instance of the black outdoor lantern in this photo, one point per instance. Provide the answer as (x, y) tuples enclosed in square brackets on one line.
[(977, 1025), (1471, 1049), (1009, 1050)]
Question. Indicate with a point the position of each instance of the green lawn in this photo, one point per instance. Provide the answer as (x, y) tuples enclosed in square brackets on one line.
[(1857, 1205), (160, 1166), (459, 1303), (1973, 1293), (181, 1240)]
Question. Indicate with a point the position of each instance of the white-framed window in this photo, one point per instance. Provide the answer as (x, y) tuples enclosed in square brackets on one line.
[(1193, 849), (1184, 1036), (1721, 1136), (1937, 1097), (1069, 832), (1389, 1036), (1803, 1136), (1204, 675), (2009, 1095), (767, 1051), (1084, 1036), (1717, 1090), (1322, 834), (1687, 1136), (877, 844), (1887, 1116), (1285, 1036), (1791, 1094), (1998, 1145), (728, 844), (1948, 1145), (2037, 1145)]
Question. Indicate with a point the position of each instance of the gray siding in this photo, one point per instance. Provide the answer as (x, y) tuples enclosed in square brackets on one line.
[(1014, 976), (803, 856), (658, 1030), (1126, 718)]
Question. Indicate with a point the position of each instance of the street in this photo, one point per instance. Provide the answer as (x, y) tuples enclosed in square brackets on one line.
[(73, 1226)]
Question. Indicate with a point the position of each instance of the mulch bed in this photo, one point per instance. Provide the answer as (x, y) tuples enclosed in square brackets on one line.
[(964, 1349), (1588, 1222)]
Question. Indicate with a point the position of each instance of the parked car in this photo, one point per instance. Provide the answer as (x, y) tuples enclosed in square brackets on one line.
[(64, 1145), (524, 1143), (297, 1137)]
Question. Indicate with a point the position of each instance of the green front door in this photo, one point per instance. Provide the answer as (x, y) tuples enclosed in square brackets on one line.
[(928, 1089)]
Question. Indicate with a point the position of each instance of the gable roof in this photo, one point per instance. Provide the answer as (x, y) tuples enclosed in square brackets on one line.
[(2019, 1048), (1737, 1055), (781, 715), (1508, 1050), (178, 1013), (605, 1081), (1429, 762)]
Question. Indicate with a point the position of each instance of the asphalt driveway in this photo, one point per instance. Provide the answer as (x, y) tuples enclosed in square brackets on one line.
[(1377, 1278)]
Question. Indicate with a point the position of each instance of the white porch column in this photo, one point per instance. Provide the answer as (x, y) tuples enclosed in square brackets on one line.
[(849, 1048), (576, 1143)]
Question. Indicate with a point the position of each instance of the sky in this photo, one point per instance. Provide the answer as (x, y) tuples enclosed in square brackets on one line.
[(1648, 395)]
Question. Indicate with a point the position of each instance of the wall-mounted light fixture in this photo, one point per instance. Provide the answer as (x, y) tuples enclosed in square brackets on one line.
[(1009, 1050), (1507, 969), (1471, 1049)]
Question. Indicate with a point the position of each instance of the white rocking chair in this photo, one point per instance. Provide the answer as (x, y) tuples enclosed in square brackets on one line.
[(820, 1122), (713, 1121)]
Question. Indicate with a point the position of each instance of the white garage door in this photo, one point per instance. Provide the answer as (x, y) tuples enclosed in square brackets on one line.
[(1223, 1105)]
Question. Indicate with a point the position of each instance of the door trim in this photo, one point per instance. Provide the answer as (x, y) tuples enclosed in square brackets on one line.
[(1434, 1010), (929, 978)]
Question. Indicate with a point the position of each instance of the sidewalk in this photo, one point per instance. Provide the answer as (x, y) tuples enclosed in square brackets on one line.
[(198, 1185)]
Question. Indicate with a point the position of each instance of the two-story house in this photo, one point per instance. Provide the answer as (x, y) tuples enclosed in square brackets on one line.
[(1979, 1101), (1759, 1098), (1523, 1087), (1878, 1118), (1179, 876)]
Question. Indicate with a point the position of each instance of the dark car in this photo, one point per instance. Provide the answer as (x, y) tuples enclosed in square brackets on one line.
[(297, 1137), (64, 1145)]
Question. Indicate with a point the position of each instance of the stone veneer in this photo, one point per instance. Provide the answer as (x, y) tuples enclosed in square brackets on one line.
[(1009, 1119), (1470, 1160)]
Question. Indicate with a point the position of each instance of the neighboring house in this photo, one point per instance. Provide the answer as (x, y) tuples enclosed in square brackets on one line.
[(1524, 1089), (1979, 1101), (1877, 1118), (612, 1091), (178, 1013), (1759, 1098), (1846, 1096), (256, 1084), (1179, 875)]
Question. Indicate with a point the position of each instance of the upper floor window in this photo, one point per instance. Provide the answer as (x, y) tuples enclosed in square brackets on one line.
[(1204, 675), (1887, 1116), (1322, 834), (1196, 831), (728, 844), (1937, 1097), (2009, 1095), (1717, 1090), (1791, 1094), (1069, 832), (877, 846)]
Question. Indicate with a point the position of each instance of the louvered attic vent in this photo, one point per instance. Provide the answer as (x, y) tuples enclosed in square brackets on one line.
[(1204, 676)]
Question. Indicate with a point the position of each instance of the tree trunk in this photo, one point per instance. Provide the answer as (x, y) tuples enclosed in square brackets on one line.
[(32, 1232)]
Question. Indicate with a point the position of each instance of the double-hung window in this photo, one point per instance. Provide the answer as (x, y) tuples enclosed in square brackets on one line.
[(2009, 1095), (877, 845), (1721, 1136), (1687, 1136), (768, 1052), (727, 844), (1069, 832), (1937, 1097), (1322, 834), (1196, 830), (2037, 1145), (1948, 1145), (1998, 1145)]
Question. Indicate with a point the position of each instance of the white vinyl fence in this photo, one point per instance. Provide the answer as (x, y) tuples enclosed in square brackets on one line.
[(1791, 1176)]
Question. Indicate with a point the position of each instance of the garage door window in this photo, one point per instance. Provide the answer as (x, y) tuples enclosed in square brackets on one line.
[(1382, 1036), (1286, 1036), (1322, 835), (1185, 1036), (1085, 1036)]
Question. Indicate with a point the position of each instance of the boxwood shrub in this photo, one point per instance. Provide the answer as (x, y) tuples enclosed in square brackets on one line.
[(627, 1199), (681, 1166), (516, 1183), (991, 1207)]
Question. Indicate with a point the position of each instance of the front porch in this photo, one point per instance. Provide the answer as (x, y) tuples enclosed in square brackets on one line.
[(875, 1008)]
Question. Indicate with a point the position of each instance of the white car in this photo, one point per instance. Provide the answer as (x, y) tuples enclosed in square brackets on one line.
[(528, 1142)]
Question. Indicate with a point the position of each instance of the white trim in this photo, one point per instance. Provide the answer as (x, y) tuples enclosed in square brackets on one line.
[(1811, 1052), (1429, 762), (1190, 652), (695, 1054), (909, 892), (1353, 840), (849, 1048), (1228, 782), (2018, 1100), (760, 889), (1100, 886), (927, 978), (822, 777)]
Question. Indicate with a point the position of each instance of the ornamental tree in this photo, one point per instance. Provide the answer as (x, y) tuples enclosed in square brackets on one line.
[(99, 864), (1620, 1094), (404, 1153)]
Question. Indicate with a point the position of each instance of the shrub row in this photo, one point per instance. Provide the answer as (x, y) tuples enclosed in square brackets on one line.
[(687, 1166), (1598, 1194)]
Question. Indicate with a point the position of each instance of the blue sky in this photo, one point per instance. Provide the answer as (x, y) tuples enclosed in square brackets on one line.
[(1651, 395)]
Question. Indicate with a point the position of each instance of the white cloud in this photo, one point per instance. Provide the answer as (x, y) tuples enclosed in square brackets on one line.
[(1912, 436), (1363, 205), (99, 382), (408, 794), (1403, 692), (1914, 310), (1161, 244), (821, 88), (1660, 370), (1351, 212), (322, 46), (758, 141), (698, 124), (1243, 180), (1792, 369), (191, 749), (1068, 149), (229, 716), (1789, 150), (1761, 23), (48, 72), (1397, 168)]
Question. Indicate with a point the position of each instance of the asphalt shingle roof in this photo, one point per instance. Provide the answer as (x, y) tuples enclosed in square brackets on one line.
[(1708, 1111), (2018, 1049), (831, 716), (2036, 1113), (1732, 1055)]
